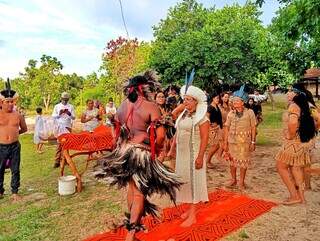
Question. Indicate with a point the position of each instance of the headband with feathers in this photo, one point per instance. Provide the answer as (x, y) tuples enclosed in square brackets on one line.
[(8, 93)]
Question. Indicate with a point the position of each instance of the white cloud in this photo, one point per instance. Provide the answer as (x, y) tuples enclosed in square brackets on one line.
[(73, 31)]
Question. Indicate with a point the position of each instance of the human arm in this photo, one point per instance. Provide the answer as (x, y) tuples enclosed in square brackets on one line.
[(253, 126), (85, 119), (172, 147), (293, 121), (71, 113), (22, 125), (177, 111), (55, 112), (226, 132), (204, 136), (160, 130)]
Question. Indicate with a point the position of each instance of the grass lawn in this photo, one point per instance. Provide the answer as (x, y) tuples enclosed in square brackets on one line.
[(48, 216)]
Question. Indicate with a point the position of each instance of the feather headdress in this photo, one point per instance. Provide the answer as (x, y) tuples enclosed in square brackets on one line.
[(241, 94), (8, 93), (188, 80)]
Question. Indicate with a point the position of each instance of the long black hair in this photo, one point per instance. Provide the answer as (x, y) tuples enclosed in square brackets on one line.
[(307, 129), (215, 115)]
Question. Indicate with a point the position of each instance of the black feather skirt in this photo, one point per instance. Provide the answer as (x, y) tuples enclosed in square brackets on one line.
[(132, 162)]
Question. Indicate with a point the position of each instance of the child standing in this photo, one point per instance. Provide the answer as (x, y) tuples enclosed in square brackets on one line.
[(37, 129)]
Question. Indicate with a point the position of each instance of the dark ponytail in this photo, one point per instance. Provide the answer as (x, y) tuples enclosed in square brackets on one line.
[(307, 129), (133, 95)]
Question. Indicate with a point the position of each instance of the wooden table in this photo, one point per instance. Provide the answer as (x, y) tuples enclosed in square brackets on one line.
[(90, 144)]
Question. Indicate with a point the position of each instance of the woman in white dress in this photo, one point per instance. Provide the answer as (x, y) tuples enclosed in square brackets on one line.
[(192, 139), (90, 117)]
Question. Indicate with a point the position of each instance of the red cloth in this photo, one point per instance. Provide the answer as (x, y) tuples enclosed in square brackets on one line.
[(225, 212), (100, 139)]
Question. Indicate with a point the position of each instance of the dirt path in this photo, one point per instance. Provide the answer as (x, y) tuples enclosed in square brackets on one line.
[(282, 223)]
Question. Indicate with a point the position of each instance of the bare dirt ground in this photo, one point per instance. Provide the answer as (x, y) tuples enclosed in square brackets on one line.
[(283, 223)]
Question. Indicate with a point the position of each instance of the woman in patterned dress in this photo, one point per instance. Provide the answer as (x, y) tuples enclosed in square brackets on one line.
[(298, 132), (215, 135), (239, 137)]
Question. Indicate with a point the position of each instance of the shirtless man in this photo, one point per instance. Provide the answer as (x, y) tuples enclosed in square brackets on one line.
[(133, 163), (12, 124)]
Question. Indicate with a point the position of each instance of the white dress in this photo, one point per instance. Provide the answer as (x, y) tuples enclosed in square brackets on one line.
[(39, 125), (188, 144)]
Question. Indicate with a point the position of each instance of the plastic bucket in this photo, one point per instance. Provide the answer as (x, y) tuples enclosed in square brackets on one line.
[(67, 185)]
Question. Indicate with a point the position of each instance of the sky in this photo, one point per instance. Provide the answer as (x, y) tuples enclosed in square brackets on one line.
[(76, 31)]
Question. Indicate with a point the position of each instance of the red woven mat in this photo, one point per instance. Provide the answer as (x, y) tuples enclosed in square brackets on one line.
[(224, 213), (100, 139)]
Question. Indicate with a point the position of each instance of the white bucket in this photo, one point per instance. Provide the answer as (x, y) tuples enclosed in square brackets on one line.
[(67, 185)]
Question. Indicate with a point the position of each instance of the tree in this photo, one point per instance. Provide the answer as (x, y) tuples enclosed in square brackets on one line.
[(226, 45), (297, 24), (122, 59)]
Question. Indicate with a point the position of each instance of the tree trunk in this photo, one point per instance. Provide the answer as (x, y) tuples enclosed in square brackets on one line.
[(46, 102)]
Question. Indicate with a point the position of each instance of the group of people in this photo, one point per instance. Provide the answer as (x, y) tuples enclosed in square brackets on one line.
[(182, 122), (63, 117), (185, 123)]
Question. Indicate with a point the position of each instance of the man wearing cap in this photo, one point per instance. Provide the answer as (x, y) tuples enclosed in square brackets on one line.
[(239, 137), (12, 124), (64, 114)]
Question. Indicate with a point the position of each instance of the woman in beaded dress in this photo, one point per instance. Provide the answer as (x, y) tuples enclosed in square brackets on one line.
[(216, 124), (239, 137), (298, 132)]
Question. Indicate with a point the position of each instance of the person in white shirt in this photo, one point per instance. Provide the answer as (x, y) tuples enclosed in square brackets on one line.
[(110, 111), (64, 114), (37, 131)]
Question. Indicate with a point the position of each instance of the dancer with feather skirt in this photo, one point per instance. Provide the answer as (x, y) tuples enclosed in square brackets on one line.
[(133, 163)]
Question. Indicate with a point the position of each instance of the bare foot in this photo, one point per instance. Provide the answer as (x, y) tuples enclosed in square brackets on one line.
[(242, 186), (210, 165), (189, 221), (232, 184), (291, 201), (185, 214), (130, 236), (16, 197)]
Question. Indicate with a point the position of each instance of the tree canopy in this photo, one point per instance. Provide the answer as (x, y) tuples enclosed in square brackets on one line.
[(228, 45)]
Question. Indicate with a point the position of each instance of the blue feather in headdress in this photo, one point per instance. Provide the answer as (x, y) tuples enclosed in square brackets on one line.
[(188, 81)]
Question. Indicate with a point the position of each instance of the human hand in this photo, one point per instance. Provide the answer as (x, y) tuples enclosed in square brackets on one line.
[(68, 112), (61, 112), (170, 154), (199, 163)]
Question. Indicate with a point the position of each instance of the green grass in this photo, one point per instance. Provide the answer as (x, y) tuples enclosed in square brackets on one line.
[(77, 216), (54, 217)]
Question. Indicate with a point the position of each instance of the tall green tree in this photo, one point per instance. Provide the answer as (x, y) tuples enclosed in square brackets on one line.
[(228, 45), (297, 24)]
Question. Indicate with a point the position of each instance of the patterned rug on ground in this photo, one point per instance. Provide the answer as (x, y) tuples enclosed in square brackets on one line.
[(225, 212)]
